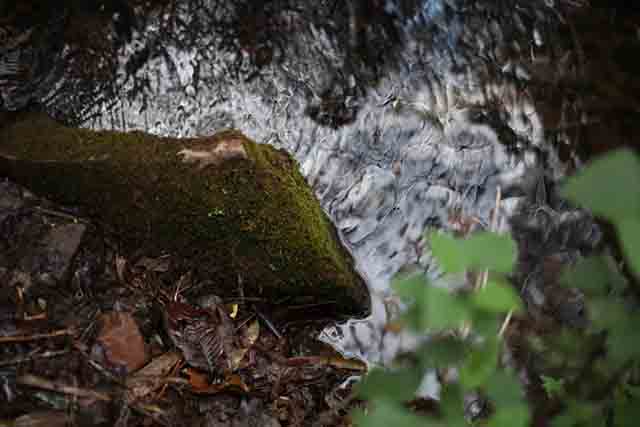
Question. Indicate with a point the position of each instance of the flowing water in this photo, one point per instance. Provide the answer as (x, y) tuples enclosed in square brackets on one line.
[(422, 153)]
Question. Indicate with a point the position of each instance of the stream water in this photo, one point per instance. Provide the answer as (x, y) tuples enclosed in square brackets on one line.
[(422, 152)]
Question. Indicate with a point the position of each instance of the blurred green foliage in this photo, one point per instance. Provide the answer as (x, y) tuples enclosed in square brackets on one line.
[(587, 376)]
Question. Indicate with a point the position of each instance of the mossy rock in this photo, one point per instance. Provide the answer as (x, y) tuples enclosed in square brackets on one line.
[(231, 207)]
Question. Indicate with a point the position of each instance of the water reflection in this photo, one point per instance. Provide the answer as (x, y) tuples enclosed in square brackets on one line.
[(431, 143), (383, 179)]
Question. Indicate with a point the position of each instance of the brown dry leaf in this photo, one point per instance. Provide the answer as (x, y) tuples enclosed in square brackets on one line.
[(42, 419), (248, 337), (394, 327), (197, 379), (350, 364), (334, 361), (153, 375), (200, 384), (234, 381), (120, 342), (307, 361), (200, 334)]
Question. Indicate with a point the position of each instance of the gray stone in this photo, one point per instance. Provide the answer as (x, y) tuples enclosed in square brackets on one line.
[(49, 260)]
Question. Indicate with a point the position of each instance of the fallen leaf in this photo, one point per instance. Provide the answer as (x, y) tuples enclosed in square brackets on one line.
[(120, 343), (335, 361), (234, 311), (350, 364), (198, 380), (200, 383), (248, 337), (153, 375), (394, 327), (42, 419)]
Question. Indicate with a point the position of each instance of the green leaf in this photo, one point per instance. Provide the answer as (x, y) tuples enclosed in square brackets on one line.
[(442, 310), (481, 363), (632, 390), (485, 323), (506, 394), (623, 341), (552, 386), (398, 386), (384, 413), (596, 186), (409, 286), (623, 337), (592, 275), (627, 413), (606, 312), (510, 416), (451, 399), (577, 414), (480, 251), (497, 297), (442, 352), (505, 389), (433, 308), (629, 233)]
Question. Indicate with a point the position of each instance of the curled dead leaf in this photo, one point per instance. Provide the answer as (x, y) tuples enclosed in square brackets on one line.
[(200, 383), (248, 336), (153, 375), (120, 344)]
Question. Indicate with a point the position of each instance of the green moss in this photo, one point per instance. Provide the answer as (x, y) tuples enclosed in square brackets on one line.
[(254, 218)]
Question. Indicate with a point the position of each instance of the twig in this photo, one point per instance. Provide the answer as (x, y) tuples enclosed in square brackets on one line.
[(60, 214), (247, 320), (507, 319), (493, 223), (270, 325), (34, 337), (152, 411), (30, 357), (81, 348), (328, 416), (494, 217), (45, 384)]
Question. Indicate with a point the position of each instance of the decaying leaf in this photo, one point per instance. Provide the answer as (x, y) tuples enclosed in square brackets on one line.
[(205, 336), (350, 364), (41, 419), (200, 383), (248, 337), (334, 361), (120, 343), (153, 375)]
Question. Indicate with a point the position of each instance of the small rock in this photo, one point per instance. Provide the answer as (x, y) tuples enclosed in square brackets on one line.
[(49, 260)]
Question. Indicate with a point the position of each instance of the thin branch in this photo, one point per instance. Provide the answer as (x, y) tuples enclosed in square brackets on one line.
[(505, 324), (45, 384), (60, 214), (30, 357), (34, 337)]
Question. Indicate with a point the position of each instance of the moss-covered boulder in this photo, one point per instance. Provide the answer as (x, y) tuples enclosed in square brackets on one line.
[(229, 206)]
